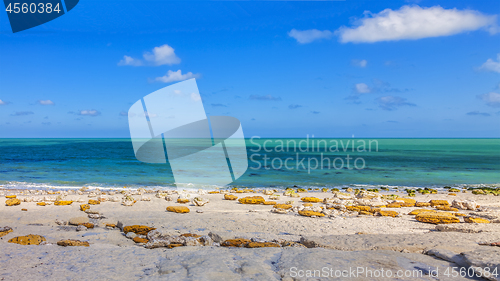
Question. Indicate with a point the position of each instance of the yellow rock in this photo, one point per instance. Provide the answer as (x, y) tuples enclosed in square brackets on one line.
[(365, 213), (437, 218), (41, 203), (422, 204), (84, 207), (407, 202), (61, 203), (238, 242), (30, 239), (418, 211), (452, 194), (71, 242), (6, 230), (269, 203), (94, 202), (460, 214), (476, 220), (388, 213), (138, 229), (12, 202), (190, 235), (307, 204), (311, 199), (282, 206), (261, 244), (182, 201), (138, 239), (213, 192), (87, 224), (308, 213), (446, 208), (10, 196), (230, 197), (178, 209), (173, 245), (111, 225), (24, 210), (358, 208), (252, 200), (394, 205), (439, 203)]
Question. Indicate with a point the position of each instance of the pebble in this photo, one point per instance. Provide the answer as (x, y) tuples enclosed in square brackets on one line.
[(81, 227)]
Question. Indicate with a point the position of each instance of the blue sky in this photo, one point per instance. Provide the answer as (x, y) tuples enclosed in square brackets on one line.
[(284, 69)]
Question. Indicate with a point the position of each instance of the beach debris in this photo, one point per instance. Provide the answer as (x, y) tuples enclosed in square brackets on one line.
[(72, 242), (63, 202), (31, 239), (309, 213), (199, 201), (230, 197), (464, 204), (437, 218), (84, 207), (475, 220), (12, 202), (178, 209), (5, 230), (252, 200), (435, 203), (138, 229), (81, 227), (78, 220)]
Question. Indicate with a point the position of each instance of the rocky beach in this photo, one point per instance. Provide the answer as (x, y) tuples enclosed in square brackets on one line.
[(250, 234)]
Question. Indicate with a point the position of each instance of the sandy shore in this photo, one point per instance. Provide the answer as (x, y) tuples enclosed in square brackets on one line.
[(338, 240)]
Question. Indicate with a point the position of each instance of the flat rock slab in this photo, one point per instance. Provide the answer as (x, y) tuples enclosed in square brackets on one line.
[(414, 243)]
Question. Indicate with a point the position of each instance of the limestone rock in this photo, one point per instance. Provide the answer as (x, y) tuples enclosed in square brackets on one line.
[(41, 203), (30, 239), (269, 203), (182, 200), (422, 204), (475, 220), (131, 235), (12, 202), (178, 209), (138, 239), (198, 201), (446, 208), (5, 230), (282, 206), (418, 211), (311, 199), (138, 229), (437, 218), (261, 244), (230, 197), (238, 242), (367, 195), (94, 202), (343, 195), (78, 220), (388, 213), (10, 196), (464, 205), (308, 213), (439, 203), (81, 227), (71, 242), (252, 200), (63, 202), (84, 207)]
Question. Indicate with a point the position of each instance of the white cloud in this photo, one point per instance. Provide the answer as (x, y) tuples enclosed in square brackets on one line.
[(362, 88), (393, 102), (130, 61), (492, 99), (45, 102), (308, 36), (195, 97), (91, 112), (491, 65), (3, 102), (158, 56), (414, 22), (173, 76), (360, 63)]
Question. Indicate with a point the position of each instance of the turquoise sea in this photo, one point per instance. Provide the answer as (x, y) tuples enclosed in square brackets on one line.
[(39, 163)]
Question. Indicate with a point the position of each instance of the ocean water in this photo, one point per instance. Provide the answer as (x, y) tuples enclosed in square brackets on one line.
[(39, 163)]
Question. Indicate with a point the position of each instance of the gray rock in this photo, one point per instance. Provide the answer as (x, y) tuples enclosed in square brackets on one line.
[(464, 227), (130, 235), (81, 228), (448, 256), (78, 220), (485, 257)]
